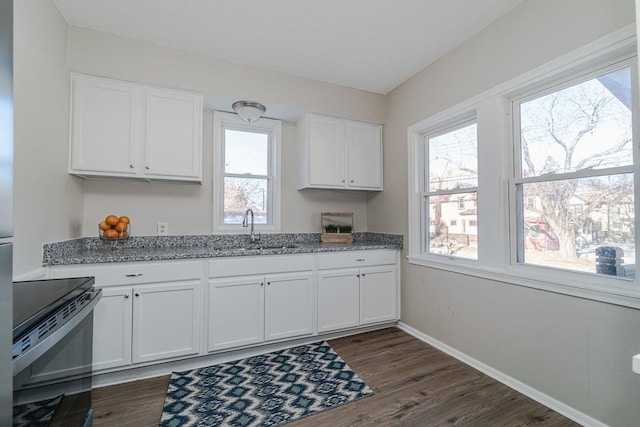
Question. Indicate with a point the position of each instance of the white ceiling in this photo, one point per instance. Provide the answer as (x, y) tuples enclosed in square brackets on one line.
[(366, 44)]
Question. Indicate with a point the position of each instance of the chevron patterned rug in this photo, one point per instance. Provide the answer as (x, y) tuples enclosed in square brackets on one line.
[(265, 390)]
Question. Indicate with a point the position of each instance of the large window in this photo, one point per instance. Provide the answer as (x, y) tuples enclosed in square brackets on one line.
[(451, 195), (534, 182), (575, 161), (245, 172)]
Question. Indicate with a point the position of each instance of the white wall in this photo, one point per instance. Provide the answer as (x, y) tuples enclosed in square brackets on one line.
[(576, 351), (47, 201), (187, 207)]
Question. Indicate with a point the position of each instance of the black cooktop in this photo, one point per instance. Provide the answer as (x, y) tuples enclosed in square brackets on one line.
[(36, 299)]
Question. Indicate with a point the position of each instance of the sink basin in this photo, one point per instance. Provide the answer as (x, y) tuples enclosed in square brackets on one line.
[(257, 247)]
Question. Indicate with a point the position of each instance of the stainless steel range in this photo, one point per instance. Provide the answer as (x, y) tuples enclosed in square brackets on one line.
[(52, 348)]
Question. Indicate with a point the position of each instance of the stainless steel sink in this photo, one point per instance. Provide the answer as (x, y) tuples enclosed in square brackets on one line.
[(267, 247), (258, 247)]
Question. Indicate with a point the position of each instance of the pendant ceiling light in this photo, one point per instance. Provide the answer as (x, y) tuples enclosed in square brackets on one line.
[(248, 110)]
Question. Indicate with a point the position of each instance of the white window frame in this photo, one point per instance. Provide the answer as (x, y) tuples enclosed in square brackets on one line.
[(496, 237), (272, 127), (459, 122)]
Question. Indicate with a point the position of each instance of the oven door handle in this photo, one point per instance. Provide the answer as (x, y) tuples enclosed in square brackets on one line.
[(26, 359)]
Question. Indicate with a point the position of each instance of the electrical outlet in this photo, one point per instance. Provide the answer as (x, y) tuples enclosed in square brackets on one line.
[(163, 228)]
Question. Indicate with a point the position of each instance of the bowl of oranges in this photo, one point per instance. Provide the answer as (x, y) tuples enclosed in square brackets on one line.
[(115, 228)]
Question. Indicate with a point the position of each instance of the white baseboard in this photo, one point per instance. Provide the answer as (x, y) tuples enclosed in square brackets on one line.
[(505, 379), (36, 274)]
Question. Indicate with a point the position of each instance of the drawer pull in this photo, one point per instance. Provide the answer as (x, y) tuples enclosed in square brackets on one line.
[(133, 275), (360, 259), (126, 296), (137, 294)]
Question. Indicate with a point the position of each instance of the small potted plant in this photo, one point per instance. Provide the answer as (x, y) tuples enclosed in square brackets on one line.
[(337, 227)]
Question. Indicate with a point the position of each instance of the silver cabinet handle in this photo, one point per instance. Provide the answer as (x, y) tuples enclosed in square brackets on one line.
[(131, 166), (137, 294), (351, 181), (147, 167), (126, 296), (360, 259), (133, 275)]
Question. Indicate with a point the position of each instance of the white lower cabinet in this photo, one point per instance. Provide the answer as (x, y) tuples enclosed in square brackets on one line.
[(338, 299), (146, 323), (378, 291), (166, 321), (350, 297), (149, 311), (112, 324), (236, 310), (251, 309), (164, 311)]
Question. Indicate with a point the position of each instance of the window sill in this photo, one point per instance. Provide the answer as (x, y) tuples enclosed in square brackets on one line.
[(623, 297)]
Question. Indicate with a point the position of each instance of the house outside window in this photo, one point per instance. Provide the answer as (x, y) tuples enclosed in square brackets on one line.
[(246, 172), (451, 177)]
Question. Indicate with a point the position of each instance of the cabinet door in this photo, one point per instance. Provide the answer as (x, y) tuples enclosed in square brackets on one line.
[(166, 321), (378, 292), (288, 305), (327, 152), (105, 127), (338, 299), (236, 312), (173, 136), (112, 318), (365, 156), (111, 331)]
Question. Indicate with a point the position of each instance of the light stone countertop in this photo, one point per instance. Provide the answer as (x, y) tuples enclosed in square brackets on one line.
[(91, 250)]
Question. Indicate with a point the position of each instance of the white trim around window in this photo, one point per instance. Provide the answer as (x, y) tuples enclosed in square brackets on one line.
[(271, 127), (496, 240)]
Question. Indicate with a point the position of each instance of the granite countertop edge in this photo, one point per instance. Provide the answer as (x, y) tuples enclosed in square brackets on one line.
[(88, 250)]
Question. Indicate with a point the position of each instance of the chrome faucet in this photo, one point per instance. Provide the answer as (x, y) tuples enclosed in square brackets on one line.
[(253, 237)]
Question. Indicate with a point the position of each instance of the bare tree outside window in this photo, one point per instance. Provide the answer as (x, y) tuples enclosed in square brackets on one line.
[(246, 176), (577, 173)]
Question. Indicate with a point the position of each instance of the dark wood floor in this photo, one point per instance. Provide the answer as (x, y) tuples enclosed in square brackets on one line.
[(414, 385)]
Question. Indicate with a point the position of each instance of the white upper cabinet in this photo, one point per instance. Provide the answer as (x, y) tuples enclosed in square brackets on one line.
[(121, 129), (340, 154), (105, 126), (173, 137)]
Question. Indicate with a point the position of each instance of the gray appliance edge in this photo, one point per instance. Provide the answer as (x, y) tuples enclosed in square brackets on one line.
[(6, 211)]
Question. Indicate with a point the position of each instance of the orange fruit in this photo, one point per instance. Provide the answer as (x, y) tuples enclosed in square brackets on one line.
[(124, 219), (111, 220), (104, 226), (121, 226), (110, 234)]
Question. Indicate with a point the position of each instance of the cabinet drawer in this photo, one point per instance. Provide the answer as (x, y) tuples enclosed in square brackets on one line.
[(133, 273), (263, 264), (356, 259)]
